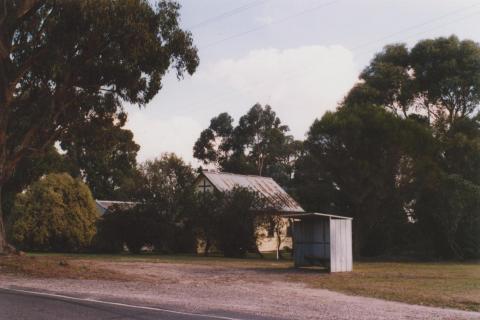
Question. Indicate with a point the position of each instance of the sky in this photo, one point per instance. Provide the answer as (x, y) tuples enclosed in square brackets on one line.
[(298, 56)]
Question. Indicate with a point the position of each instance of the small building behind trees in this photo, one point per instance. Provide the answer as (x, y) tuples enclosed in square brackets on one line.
[(278, 203)]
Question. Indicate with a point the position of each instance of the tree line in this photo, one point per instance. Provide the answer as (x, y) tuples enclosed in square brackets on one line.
[(400, 154), (58, 213)]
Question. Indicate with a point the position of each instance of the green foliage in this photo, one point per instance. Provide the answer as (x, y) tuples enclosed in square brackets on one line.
[(29, 170), (64, 63), (135, 227), (419, 159), (56, 213), (448, 209), (110, 53), (103, 154), (437, 79), (461, 145), (204, 214), (447, 206), (162, 219), (357, 162), (228, 220), (166, 179), (259, 144), (167, 185)]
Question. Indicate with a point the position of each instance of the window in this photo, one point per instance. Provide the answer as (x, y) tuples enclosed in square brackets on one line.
[(289, 230), (271, 229)]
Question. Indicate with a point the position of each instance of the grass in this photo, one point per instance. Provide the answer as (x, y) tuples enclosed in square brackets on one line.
[(251, 261), (453, 285), (443, 284), (55, 267)]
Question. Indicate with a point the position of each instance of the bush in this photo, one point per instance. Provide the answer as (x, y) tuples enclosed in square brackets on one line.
[(166, 192), (133, 227), (143, 225), (235, 229), (449, 216), (56, 213)]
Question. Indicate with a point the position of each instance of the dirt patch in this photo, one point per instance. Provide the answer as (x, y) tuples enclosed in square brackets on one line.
[(187, 274)]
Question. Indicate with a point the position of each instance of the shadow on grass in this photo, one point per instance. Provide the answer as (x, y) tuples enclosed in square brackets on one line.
[(291, 270)]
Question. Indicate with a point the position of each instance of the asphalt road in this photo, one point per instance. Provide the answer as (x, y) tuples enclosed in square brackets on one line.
[(21, 305)]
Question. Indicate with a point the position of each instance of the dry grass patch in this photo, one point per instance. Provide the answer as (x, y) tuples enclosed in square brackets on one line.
[(454, 285), (58, 267)]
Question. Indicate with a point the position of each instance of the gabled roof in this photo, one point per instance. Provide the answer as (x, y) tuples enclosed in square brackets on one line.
[(265, 186), (316, 214), (104, 205)]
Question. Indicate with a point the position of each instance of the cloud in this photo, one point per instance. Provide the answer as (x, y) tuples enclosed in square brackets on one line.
[(263, 20), (300, 83), (169, 134)]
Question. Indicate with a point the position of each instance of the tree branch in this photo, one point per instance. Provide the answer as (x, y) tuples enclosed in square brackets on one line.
[(25, 67), (26, 7)]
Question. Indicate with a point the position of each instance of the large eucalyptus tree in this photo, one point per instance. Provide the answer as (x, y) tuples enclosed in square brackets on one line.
[(63, 62)]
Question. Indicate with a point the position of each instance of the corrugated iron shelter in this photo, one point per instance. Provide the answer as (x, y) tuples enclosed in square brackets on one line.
[(265, 186), (104, 205), (322, 239)]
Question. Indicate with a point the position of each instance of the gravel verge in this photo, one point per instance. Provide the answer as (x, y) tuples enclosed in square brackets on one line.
[(215, 290)]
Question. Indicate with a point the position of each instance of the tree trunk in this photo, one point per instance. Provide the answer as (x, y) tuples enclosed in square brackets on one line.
[(5, 247), (279, 244), (207, 247), (3, 236)]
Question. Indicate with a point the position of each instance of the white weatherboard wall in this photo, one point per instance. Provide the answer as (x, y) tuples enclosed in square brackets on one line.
[(340, 245)]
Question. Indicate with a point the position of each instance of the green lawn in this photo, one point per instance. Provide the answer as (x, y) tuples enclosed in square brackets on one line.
[(444, 284), (251, 261)]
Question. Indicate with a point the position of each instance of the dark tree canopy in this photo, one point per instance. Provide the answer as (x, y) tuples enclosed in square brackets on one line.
[(65, 62), (226, 221), (163, 217), (401, 154), (436, 79), (167, 189), (259, 144), (103, 153), (356, 162)]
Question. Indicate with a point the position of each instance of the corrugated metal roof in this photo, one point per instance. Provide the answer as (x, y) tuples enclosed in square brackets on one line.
[(104, 205), (265, 186), (315, 214)]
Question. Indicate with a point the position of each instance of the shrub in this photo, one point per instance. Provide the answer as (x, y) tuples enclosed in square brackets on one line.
[(166, 192), (56, 213), (143, 225), (228, 221)]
